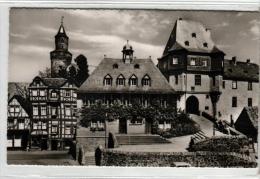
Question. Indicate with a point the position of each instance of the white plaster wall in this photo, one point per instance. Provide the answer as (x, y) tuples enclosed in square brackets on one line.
[(242, 93)]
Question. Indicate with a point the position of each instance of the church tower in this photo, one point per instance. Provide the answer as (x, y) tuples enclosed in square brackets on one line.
[(127, 53), (60, 57)]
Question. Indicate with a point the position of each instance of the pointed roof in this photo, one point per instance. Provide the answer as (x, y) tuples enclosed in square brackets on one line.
[(25, 103), (252, 115), (17, 88), (61, 31), (191, 36), (94, 83)]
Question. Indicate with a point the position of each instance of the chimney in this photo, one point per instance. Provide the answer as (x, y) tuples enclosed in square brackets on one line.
[(105, 56), (248, 60), (150, 57), (134, 57), (234, 59), (180, 18)]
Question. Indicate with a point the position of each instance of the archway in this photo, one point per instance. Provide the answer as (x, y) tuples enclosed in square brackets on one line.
[(192, 105)]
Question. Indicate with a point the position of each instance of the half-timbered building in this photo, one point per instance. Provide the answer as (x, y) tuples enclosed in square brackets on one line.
[(54, 103), (18, 123)]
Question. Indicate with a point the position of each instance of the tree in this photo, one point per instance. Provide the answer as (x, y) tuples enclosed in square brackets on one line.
[(46, 73), (72, 72), (83, 72)]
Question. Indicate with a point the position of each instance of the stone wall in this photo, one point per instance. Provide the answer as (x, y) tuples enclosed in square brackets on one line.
[(167, 159)]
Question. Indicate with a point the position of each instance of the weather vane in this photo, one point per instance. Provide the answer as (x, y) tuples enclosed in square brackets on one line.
[(62, 17)]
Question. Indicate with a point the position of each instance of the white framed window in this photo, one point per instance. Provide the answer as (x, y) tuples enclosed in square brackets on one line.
[(67, 111), (204, 63), (234, 84), (174, 60), (74, 95), (44, 126), (11, 109), (42, 93), (34, 93), (120, 81), (133, 80), (146, 81), (20, 124), (53, 94), (67, 130), (35, 110), (35, 125), (67, 93), (43, 110), (53, 111), (54, 129), (192, 62), (108, 80)]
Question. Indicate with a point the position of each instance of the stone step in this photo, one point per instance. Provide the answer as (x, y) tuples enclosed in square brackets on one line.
[(140, 140)]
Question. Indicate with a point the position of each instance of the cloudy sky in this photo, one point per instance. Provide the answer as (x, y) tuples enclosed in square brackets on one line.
[(94, 33)]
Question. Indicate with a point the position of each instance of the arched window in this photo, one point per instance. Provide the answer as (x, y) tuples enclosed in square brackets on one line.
[(115, 66), (133, 80), (187, 43), (120, 81), (108, 80), (146, 81)]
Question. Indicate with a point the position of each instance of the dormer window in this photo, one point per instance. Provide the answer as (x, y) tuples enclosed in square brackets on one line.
[(193, 35), (146, 81), (205, 44), (137, 66), (187, 43), (133, 80), (53, 94), (174, 60), (108, 80), (120, 81), (115, 66)]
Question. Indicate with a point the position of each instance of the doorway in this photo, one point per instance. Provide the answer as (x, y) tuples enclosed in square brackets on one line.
[(192, 105), (123, 126)]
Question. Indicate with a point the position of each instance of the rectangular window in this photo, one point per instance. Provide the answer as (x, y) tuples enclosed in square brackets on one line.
[(74, 95), (223, 84), (53, 111), (67, 93), (35, 125), (53, 94), (234, 84), (198, 80), (34, 93), (11, 109), (44, 126), (54, 129), (43, 110), (42, 93), (250, 102), (250, 86), (35, 110), (21, 124), (206, 108), (234, 101), (67, 111), (174, 61), (192, 62), (204, 63), (176, 79)]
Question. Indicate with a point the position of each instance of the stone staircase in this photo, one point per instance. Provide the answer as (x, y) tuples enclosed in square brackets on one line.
[(140, 139), (199, 136)]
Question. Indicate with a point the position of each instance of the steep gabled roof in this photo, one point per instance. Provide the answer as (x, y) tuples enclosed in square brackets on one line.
[(94, 84), (16, 88), (25, 103), (252, 115), (241, 71), (192, 32)]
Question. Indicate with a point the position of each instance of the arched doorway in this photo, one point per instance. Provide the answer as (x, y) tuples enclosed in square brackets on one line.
[(192, 105)]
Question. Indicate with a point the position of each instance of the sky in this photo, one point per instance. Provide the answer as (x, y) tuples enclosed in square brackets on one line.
[(95, 33)]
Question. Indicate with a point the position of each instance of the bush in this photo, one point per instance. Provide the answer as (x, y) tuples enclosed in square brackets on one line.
[(181, 125)]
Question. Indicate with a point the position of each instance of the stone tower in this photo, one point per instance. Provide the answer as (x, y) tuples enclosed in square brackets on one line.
[(60, 57), (127, 53)]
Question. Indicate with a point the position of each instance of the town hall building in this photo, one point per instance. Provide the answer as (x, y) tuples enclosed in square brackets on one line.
[(124, 80)]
